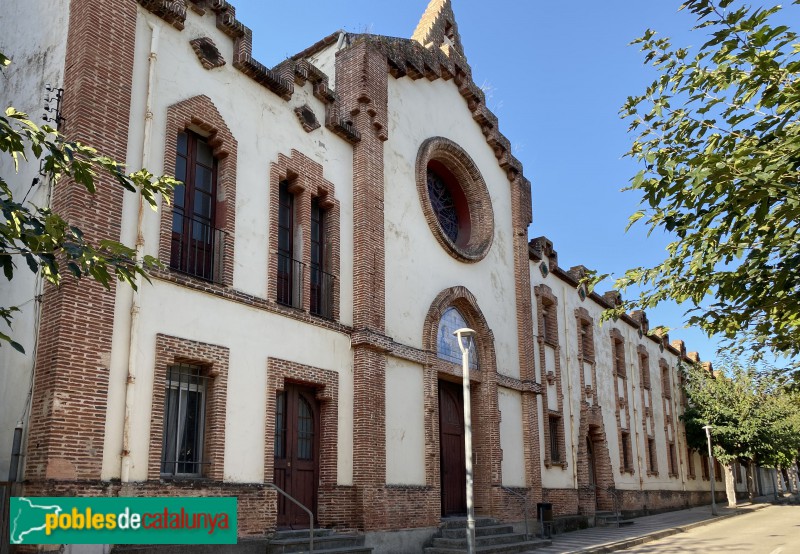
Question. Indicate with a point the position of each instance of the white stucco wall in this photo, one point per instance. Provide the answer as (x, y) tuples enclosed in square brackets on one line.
[(405, 423), (36, 47), (417, 267), (513, 464), (264, 126), (568, 301)]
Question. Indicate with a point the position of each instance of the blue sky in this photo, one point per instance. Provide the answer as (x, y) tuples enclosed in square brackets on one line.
[(555, 73)]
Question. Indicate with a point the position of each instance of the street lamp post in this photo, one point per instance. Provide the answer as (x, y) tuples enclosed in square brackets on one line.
[(711, 471), (466, 338)]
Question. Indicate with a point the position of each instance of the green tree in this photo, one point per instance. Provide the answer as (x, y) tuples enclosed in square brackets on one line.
[(718, 135), (754, 417), (43, 239)]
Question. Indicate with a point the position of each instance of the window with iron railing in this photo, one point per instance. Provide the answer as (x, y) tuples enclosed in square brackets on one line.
[(196, 243), (184, 422), (296, 278), (321, 285)]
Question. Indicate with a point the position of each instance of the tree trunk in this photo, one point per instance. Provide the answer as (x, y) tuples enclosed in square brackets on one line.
[(730, 484), (751, 484)]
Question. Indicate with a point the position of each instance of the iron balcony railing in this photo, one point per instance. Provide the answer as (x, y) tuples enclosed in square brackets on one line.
[(197, 247), (322, 287), (291, 286), (291, 278)]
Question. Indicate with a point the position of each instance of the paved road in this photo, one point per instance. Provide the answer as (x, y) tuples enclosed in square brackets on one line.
[(772, 530)]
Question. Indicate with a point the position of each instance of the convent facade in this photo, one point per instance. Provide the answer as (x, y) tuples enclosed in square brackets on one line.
[(342, 214)]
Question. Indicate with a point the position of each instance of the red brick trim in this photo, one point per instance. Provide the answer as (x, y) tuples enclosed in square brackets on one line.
[(326, 384), (668, 409), (591, 428), (199, 114), (214, 360), (547, 319), (466, 173), (207, 52), (483, 394), (619, 373), (585, 339), (70, 389), (306, 182), (648, 420), (362, 89)]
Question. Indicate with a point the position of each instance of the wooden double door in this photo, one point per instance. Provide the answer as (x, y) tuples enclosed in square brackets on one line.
[(297, 435), (453, 472)]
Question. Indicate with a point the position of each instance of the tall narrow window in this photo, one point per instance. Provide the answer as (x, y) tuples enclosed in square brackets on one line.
[(321, 280), (627, 459), (666, 389), (673, 461), (288, 269), (184, 422), (280, 425), (619, 358), (644, 364), (690, 462), (587, 341), (555, 448), (549, 320), (652, 456), (194, 236)]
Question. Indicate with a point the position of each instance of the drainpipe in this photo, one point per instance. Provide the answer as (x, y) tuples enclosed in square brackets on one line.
[(573, 445), (130, 387), (16, 449)]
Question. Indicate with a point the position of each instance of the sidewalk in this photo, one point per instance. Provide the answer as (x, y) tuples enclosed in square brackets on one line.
[(644, 529)]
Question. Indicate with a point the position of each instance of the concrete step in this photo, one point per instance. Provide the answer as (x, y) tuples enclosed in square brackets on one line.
[(522, 546), (326, 542), (344, 550), (301, 533), (461, 522), (611, 519), (458, 532), (461, 542)]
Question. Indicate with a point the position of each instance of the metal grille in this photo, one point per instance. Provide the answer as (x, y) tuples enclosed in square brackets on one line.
[(184, 421), (280, 425), (322, 286), (305, 430), (291, 278), (443, 204), (196, 247), (555, 452)]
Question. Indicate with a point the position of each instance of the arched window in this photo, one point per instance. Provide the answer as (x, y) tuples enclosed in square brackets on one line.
[(447, 343)]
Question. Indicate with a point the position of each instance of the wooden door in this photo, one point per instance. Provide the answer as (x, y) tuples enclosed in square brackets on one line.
[(296, 453), (451, 442)]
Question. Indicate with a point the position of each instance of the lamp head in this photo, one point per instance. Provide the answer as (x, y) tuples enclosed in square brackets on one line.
[(466, 338)]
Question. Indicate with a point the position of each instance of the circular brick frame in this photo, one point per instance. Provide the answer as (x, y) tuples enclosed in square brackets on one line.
[(479, 204)]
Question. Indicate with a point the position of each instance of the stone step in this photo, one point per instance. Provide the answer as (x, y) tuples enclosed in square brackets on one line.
[(301, 533), (461, 522), (344, 550), (458, 532), (522, 546), (323, 543), (461, 542)]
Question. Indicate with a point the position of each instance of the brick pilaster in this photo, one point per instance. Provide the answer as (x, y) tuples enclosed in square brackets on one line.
[(71, 382), (362, 86)]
